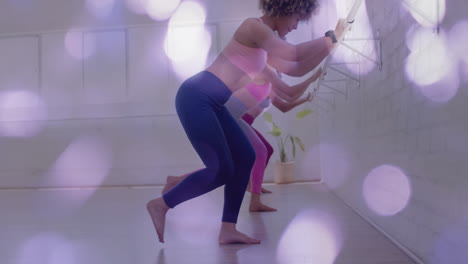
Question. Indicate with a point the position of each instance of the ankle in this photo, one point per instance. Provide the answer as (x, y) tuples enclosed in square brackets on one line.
[(255, 197), (226, 226), (160, 202)]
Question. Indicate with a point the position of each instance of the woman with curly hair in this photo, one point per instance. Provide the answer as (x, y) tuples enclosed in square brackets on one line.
[(215, 135)]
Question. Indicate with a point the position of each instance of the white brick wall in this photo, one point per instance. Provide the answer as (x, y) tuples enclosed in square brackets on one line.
[(121, 98), (388, 121)]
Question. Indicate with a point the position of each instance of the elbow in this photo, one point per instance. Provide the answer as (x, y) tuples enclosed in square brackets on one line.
[(289, 99), (290, 96), (287, 108), (292, 69), (299, 70), (285, 94)]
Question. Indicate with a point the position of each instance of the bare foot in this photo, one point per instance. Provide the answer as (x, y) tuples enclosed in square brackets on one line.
[(259, 207), (157, 209), (230, 235), (171, 181), (256, 204)]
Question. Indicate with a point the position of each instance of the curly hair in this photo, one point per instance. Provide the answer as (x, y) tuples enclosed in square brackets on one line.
[(278, 8)]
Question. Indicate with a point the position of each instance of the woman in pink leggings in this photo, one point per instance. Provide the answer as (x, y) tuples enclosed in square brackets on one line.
[(263, 149)]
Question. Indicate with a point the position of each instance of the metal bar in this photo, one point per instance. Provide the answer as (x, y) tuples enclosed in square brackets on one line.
[(349, 20), (438, 16), (352, 13), (343, 63), (379, 47), (359, 39), (344, 73), (336, 90), (360, 53), (326, 93), (380, 50), (340, 80), (322, 107), (405, 3), (326, 101)]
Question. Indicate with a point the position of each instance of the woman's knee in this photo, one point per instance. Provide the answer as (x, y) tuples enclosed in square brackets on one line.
[(225, 168), (261, 151), (269, 148), (216, 175)]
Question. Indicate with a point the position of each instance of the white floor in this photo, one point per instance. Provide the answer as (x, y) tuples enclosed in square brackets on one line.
[(111, 225)]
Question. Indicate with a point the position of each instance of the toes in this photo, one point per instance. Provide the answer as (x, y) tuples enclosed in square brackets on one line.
[(253, 241), (262, 208), (161, 237), (238, 238), (249, 240)]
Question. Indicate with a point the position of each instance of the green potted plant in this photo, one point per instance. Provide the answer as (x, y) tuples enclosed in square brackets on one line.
[(284, 168)]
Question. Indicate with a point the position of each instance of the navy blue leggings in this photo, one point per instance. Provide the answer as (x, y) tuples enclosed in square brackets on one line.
[(219, 141)]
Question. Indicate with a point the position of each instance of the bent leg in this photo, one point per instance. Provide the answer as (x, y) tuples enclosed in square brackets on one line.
[(243, 157), (198, 114)]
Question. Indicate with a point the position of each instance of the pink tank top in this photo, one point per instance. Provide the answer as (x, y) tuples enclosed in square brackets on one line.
[(249, 60), (243, 100)]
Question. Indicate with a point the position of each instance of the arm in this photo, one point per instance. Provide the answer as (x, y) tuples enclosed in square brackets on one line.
[(299, 68), (285, 91), (304, 58), (285, 106), (260, 35)]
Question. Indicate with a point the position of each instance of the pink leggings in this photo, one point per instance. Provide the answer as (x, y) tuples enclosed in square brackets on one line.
[(263, 154)]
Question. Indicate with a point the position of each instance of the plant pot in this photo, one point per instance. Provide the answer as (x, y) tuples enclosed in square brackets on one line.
[(283, 172)]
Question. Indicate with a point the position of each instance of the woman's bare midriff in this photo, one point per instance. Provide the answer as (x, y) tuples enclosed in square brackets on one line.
[(233, 77)]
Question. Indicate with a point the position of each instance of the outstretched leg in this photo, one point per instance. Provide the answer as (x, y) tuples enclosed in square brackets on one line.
[(249, 119), (258, 170)]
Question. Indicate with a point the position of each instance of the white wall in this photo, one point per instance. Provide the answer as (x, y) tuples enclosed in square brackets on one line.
[(390, 121), (107, 119), (24, 16)]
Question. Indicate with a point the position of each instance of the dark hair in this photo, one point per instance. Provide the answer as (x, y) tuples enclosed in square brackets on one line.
[(278, 8)]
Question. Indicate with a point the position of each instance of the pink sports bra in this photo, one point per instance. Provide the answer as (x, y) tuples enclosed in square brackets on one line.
[(249, 60), (259, 91)]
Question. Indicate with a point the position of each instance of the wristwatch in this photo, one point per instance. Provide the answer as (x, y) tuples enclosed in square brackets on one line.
[(331, 34)]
